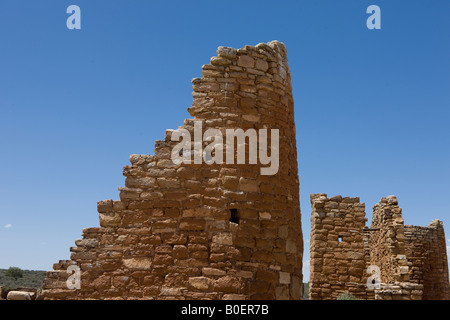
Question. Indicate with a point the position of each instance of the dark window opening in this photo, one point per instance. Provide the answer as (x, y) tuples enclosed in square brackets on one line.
[(234, 216)]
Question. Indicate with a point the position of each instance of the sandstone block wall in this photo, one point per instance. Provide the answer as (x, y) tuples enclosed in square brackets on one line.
[(338, 254), (387, 243), (412, 260), (427, 256), (200, 231), (399, 291)]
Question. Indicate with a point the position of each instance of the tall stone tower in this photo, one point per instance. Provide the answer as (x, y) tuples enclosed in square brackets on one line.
[(198, 230)]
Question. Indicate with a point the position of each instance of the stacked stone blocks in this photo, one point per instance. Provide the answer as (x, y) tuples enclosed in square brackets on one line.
[(412, 261), (203, 231)]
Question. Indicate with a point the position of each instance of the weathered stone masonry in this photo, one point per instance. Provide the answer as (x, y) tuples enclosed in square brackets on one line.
[(412, 260), (198, 231), (338, 254), (426, 251)]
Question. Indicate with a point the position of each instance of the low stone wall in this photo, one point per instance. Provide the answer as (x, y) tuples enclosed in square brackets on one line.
[(399, 291)]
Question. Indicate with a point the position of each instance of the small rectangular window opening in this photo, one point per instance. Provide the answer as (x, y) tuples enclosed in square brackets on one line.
[(340, 238), (234, 216)]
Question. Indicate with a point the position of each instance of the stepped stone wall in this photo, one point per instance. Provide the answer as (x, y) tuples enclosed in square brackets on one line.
[(345, 254), (203, 231)]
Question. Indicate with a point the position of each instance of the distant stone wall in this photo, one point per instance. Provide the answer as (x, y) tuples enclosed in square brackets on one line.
[(338, 255), (387, 241), (412, 261), (203, 231), (427, 255)]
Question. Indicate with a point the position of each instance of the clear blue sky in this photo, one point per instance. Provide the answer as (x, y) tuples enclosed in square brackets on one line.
[(371, 106)]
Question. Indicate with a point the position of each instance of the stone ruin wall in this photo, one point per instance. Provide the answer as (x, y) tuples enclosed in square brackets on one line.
[(427, 256), (224, 231), (338, 252), (412, 260), (198, 231), (387, 241)]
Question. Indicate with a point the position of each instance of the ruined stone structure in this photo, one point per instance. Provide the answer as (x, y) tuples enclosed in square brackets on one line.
[(209, 230), (412, 261), (426, 250), (203, 231), (338, 255)]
